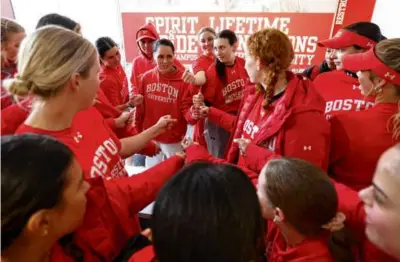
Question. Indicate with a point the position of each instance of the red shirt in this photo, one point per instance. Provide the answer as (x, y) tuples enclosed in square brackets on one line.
[(114, 85), (312, 249), (358, 140), (93, 143), (14, 116), (226, 96), (7, 72), (164, 95), (203, 62), (341, 92)]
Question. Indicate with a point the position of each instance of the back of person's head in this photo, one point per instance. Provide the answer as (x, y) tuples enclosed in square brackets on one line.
[(307, 198), (366, 29), (60, 20), (33, 176), (275, 52), (8, 27), (47, 60), (103, 44), (388, 51), (208, 212)]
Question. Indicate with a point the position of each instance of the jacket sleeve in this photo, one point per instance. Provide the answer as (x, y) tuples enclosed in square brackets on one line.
[(186, 105), (339, 141), (134, 78), (111, 91), (140, 109), (197, 153), (141, 189), (111, 123), (222, 119)]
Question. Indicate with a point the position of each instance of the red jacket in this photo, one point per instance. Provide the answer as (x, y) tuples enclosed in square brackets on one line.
[(341, 92), (114, 85), (312, 249), (141, 64), (202, 63), (164, 95), (226, 96), (354, 134), (296, 128), (352, 206), (93, 143), (111, 211), (14, 116), (7, 72)]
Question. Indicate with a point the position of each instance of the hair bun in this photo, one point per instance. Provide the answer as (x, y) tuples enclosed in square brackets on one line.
[(18, 86)]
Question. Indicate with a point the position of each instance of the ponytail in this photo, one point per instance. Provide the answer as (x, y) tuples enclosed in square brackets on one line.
[(71, 249), (220, 69), (395, 119), (340, 243), (271, 75)]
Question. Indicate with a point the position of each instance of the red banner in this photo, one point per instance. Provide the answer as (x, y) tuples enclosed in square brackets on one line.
[(352, 11), (303, 29)]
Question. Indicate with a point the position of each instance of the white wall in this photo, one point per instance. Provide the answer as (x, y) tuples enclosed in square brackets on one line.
[(387, 16)]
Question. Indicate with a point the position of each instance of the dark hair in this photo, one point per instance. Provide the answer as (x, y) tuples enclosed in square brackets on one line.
[(219, 66), (103, 44), (208, 212), (56, 19), (308, 199), (36, 184), (366, 29), (164, 42)]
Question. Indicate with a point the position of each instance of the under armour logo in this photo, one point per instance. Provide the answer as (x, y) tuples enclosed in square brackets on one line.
[(307, 148), (389, 75), (78, 137), (356, 87), (369, 44)]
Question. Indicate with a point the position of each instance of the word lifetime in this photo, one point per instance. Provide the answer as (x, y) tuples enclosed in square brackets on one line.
[(239, 24)]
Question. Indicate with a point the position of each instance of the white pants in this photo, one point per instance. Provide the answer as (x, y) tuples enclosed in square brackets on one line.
[(166, 151)]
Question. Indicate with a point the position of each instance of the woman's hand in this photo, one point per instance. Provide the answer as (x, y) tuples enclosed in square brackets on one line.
[(121, 121)]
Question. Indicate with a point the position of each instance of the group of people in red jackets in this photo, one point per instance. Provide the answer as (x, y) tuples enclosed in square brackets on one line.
[(280, 166)]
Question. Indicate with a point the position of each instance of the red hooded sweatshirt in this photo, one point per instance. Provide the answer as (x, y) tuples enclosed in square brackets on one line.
[(358, 140), (341, 92), (93, 143), (165, 95), (114, 85), (202, 63), (295, 126), (111, 212), (227, 95), (141, 64), (14, 116)]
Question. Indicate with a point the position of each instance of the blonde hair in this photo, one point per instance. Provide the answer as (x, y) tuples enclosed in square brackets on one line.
[(275, 52), (48, 58), (388, 51), (9, 26)]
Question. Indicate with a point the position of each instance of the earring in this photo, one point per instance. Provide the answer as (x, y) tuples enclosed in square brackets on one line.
[(258, 68)]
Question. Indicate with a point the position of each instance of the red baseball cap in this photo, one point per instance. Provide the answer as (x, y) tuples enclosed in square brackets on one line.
[(345, 38), (144, 33), (368, 61)]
